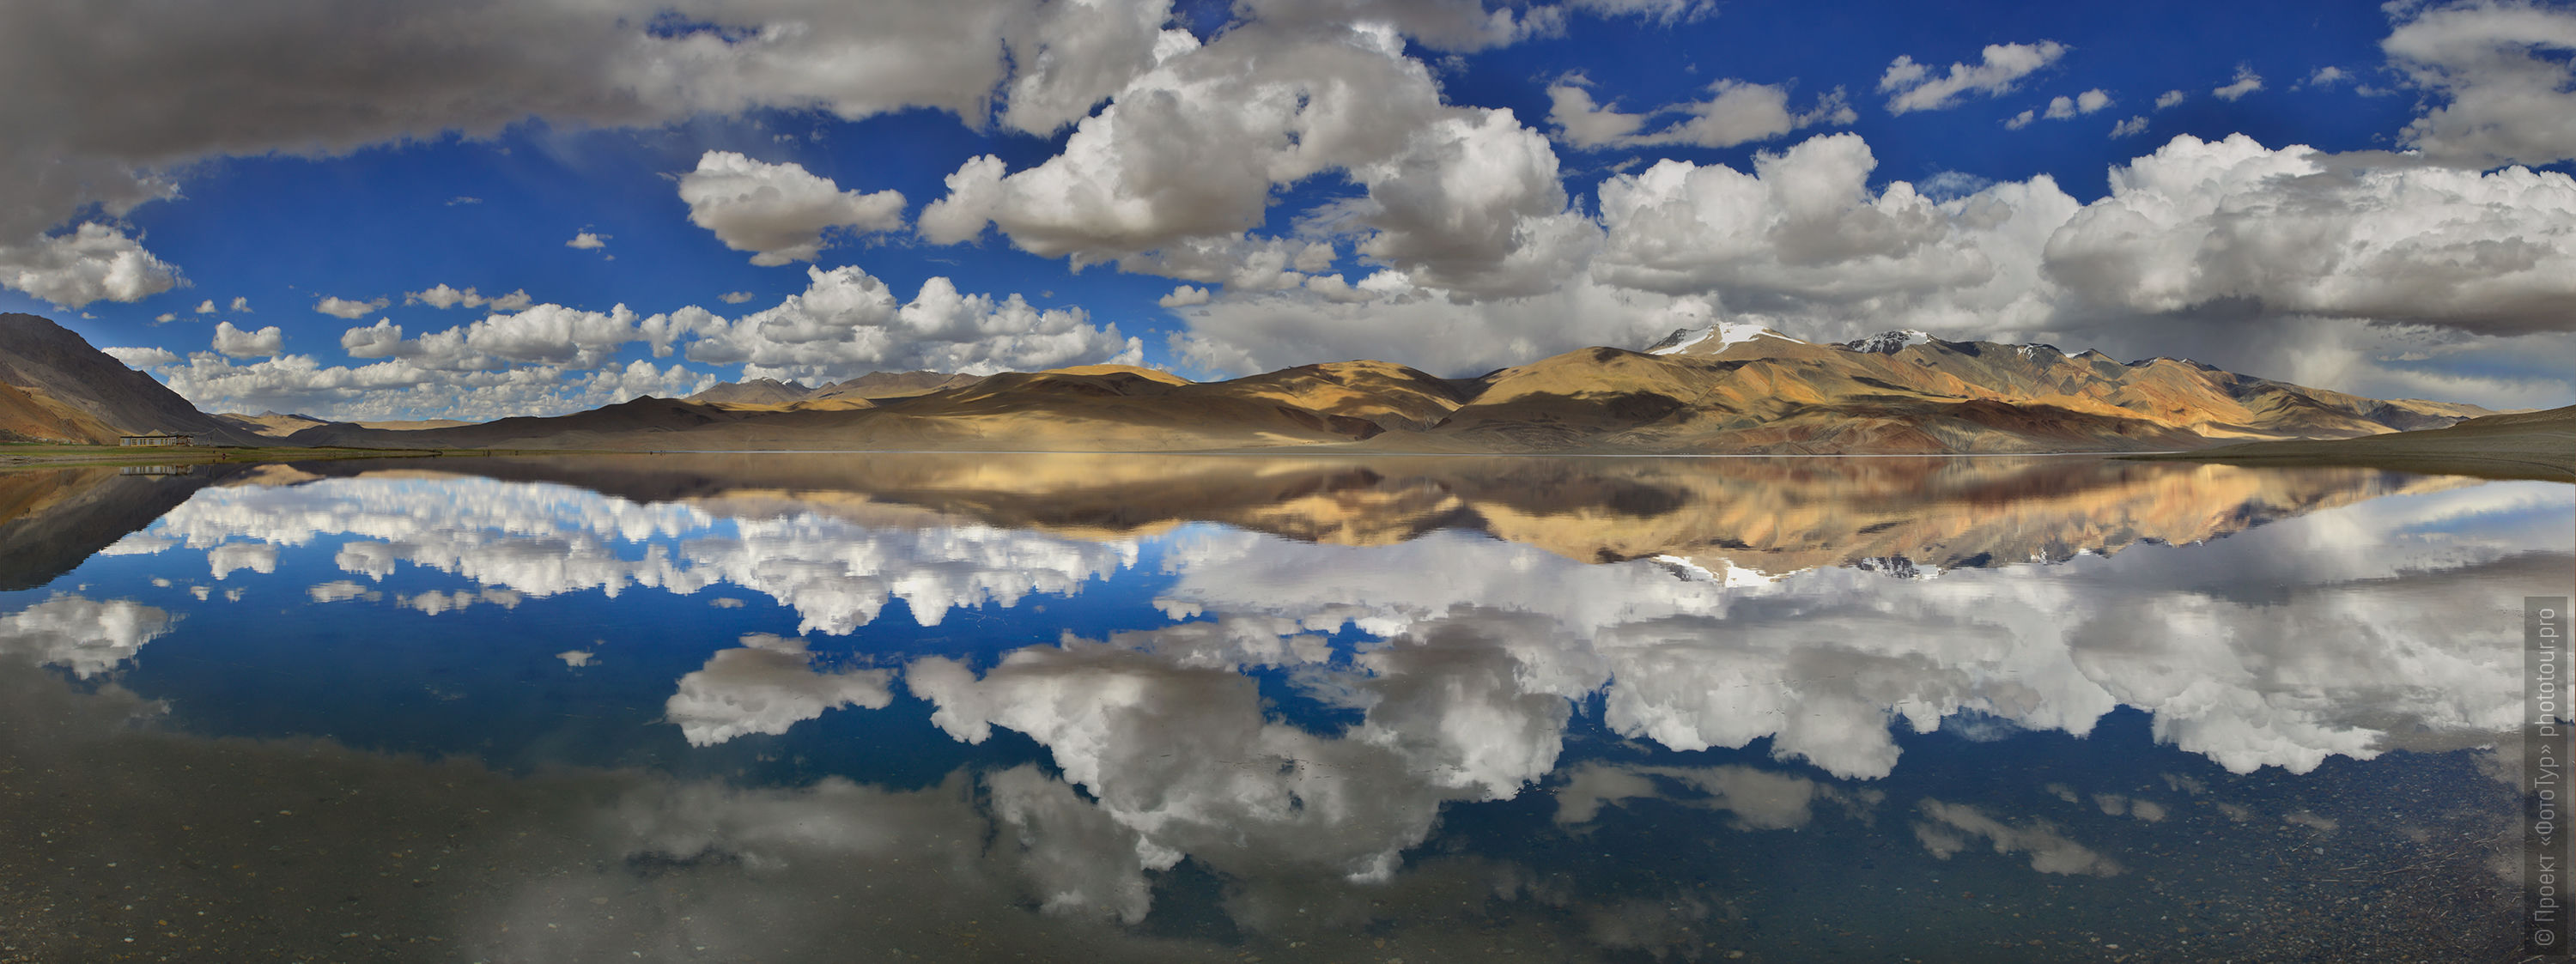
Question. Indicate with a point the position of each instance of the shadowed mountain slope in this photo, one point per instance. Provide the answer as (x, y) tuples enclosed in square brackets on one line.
[(90, 391), (2519, 445)]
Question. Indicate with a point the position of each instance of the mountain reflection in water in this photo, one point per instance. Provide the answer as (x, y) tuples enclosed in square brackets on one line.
[(962, 707)]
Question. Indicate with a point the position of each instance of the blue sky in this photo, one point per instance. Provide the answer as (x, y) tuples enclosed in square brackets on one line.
[(1207, 188)]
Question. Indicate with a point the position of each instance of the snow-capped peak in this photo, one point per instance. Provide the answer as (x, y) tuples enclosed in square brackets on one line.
[(1888, 343), (1728, 574), (1727, 334)]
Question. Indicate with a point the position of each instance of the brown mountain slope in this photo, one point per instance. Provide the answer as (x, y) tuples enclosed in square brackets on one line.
[(2520, 445), (44, 357), (1755, 393), (756, 392), (876, 385), (30, 415), (272, 424)]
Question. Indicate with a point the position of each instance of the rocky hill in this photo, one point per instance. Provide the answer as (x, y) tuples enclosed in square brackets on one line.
[(65, 390)]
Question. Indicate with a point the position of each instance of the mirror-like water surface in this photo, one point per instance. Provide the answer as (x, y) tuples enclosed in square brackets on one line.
[(879, 707)]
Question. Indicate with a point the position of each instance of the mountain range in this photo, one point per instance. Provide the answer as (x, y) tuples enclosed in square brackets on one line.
[(1723, 389)]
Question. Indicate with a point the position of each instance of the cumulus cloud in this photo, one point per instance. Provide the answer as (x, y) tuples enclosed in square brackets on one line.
[(2134, 126), (2169, 263), (848, 322), (2062, 108), (2246, 82), (398, 388), (1736, 112), (1914, 86), (206, 307), (344, 308), (2298, 231), (1183, 297), (550, 359), (93, 262), (380, 340), (143, 357), (1804, 235), (2170, 98), (1948, 828), (446, 296), (735, 297), (1173, 175), (240, 343), (85, 636), (2501, 73), (588, 241), (779, 212), (767, 685)]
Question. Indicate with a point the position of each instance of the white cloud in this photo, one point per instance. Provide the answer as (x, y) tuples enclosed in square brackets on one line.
[(1183, 297), (779, 211), (551, 359), (1174, 173), (2170, 98), (85, 636), (399, 388), (2246, 82), (383, 339), (2062, 108), (735, 297), (847, 323), (165, 318), (767, 685), (1915, 86), (94, 262), (2327, 76), (1804, 244), (206, 307), (836, 575), (2296, 231), (1804, 235), (2135, 125), (1736, 112), (241, 304), (588, 241), (143, 357), (446, 296), (1949, 828), (2502, 76), (344, 308), (240, 343)]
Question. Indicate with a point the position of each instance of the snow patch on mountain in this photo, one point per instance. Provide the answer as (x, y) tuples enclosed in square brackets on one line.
[(1888, 342), (1727, 334), (1731, 575)]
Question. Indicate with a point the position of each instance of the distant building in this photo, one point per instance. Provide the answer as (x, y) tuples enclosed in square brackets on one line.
[(156, 439)]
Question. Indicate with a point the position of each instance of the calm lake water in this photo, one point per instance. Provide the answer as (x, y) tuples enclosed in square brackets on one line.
[(887, 707)]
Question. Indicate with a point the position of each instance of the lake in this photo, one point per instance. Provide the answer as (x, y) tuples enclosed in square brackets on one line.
[(1144, 708)]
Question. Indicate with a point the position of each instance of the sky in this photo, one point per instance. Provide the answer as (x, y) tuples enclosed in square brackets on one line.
[(487, 208)]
